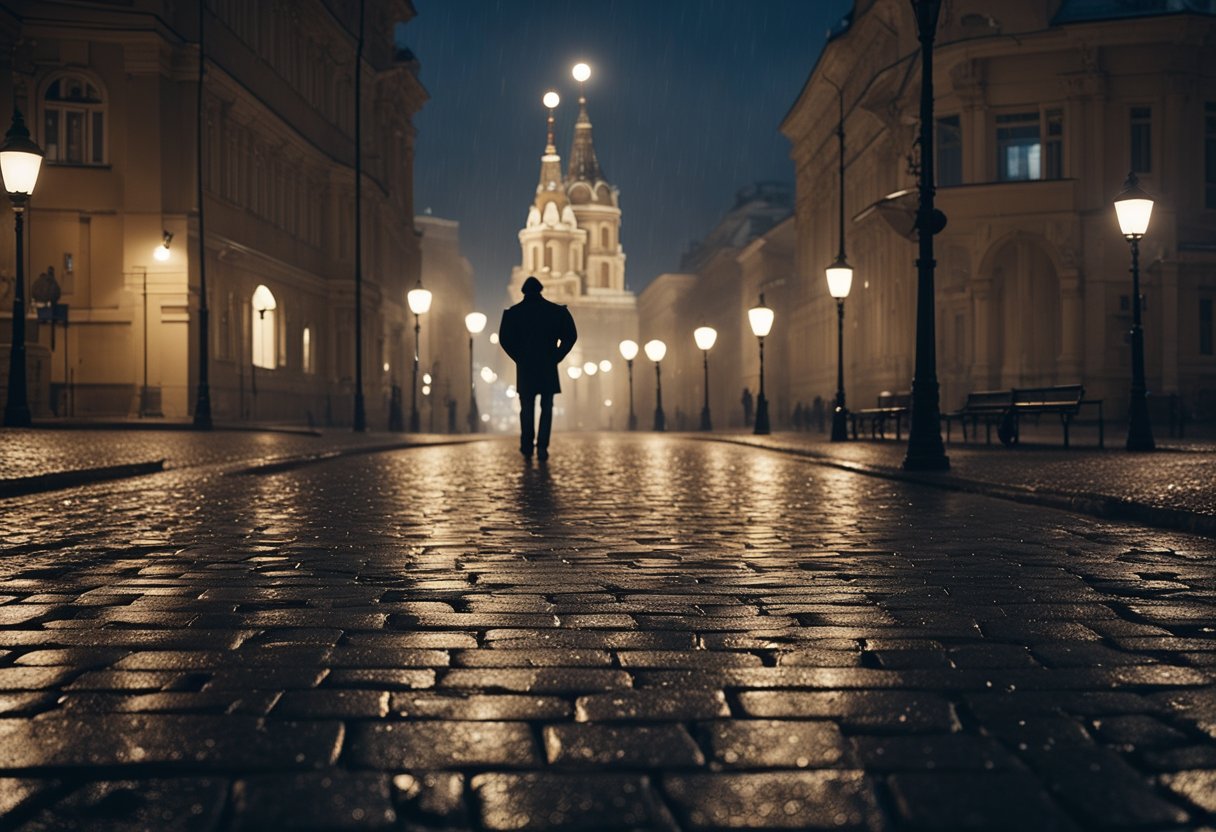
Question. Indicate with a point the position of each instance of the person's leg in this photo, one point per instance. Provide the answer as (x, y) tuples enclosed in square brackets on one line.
[(527, 422), (546, 425)]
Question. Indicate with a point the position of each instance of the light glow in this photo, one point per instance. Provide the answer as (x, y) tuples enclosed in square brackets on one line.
[(840, 279), (574, 372), (761, 320), (419, 300), (551, 99), (655, 350), (605, 366), (475, 322), (1133, 207), (629, 350), (581, 72), (705, 336), (591, 368)]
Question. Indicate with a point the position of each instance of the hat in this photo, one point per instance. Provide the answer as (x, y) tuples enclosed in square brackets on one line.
[(532, 286)]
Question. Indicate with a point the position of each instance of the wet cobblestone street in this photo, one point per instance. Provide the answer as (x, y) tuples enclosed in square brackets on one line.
[(650, 632)]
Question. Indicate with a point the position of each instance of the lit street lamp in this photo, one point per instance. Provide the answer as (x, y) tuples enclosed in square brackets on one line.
[(474, 322), (925, 449), (1133, 207), (705, 336), (574, 372), (655, 350), (591, 368), (20, 162), (840, 281), (419, 301), (761, 320), (629, 351)]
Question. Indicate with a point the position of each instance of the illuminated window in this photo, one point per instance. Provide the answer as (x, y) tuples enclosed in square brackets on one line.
[(264, 341), (1030, 145), (73, 122), (306, 351)]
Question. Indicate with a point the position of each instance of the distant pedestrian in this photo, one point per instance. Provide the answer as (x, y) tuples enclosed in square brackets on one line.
[(747, 407), (818, 411), (798, 417), (537, 334)]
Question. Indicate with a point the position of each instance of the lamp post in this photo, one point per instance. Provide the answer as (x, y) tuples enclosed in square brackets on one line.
[(1134, 207), (655, 350), (474, 322), (761, 320), (840, 281), (419, 301), (161, 254), (263, 301), (20, 163), (202, 396), (629, 351), (705, 336), (925, 449)]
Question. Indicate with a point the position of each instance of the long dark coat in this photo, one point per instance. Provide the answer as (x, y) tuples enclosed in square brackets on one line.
[(537, 334)]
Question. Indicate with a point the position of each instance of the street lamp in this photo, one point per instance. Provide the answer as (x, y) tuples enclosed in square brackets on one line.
[(655, 350), (761, 320), (20, 163), (925, 449), (474, 322), (840, 281), (629, 351), (161, 253), (574, 372), (1133, 207), (705, 336), (419, 301), (591, 368)]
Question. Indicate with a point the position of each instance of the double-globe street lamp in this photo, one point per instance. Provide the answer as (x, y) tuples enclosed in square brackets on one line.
[(629, 351), (474, 322), (419, 301), (1134, 207), (761, 320), (840, 281), (655, 350), (705, 336), (20, 163)]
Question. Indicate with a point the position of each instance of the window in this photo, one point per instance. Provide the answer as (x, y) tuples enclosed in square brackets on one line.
[(1140, 140), (306, 353), (1209, 155), (1030, 145), (73, 122), (264, 341), (1205, 326), (949, 151), (603, 236), (604, 278)]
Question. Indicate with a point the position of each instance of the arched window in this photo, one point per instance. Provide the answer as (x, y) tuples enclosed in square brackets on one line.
[(73, 121), (264, 342), (549, 256), (535, 264), (603, 236)]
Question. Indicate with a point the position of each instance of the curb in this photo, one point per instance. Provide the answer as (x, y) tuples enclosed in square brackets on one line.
[(21, 486), (1102, 506), (290, 463)]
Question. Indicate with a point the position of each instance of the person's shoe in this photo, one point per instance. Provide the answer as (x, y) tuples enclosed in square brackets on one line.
[(542, 454)]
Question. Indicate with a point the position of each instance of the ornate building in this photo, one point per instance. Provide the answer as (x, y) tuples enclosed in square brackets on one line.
[(1041, 111), (572, 243), (109, 91)]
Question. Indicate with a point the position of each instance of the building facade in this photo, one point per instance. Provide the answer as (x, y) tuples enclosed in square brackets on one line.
[(571, 242), (110, 94), (1041, 111)]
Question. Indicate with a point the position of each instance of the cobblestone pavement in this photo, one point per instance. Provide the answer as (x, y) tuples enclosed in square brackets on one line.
[(649, 633)]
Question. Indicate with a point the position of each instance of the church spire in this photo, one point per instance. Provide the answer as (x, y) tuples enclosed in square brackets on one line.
[(584, 167), (549, 189)]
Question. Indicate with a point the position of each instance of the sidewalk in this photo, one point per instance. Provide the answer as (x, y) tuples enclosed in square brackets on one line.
[(1174, 488)]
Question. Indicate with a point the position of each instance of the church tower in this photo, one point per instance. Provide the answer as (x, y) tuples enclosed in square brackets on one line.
[(572, 243)]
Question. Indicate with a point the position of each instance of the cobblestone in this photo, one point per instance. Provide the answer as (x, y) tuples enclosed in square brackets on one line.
[(647, 633)]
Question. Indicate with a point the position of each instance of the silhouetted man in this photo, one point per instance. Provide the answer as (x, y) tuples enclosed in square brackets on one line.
[(537, 334)]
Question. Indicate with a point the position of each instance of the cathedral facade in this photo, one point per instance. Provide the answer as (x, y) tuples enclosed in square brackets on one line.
[(572, 243)]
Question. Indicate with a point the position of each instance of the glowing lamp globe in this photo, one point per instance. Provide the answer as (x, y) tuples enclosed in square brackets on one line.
[(629, 350), (1133, 207), (419, 300), (574, 372), (705, 336), (20, 159), (474, 322), (551, 99), (591, 368), (840, 279), (655, 350), (581, 72), (605, 366), (761, 320)]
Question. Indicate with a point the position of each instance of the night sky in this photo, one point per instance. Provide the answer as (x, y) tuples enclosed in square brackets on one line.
[(685, 100)]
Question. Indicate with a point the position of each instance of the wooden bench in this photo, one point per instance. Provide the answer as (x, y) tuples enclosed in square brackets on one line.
[(891, 407), (988, 406), (1006, 409)]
